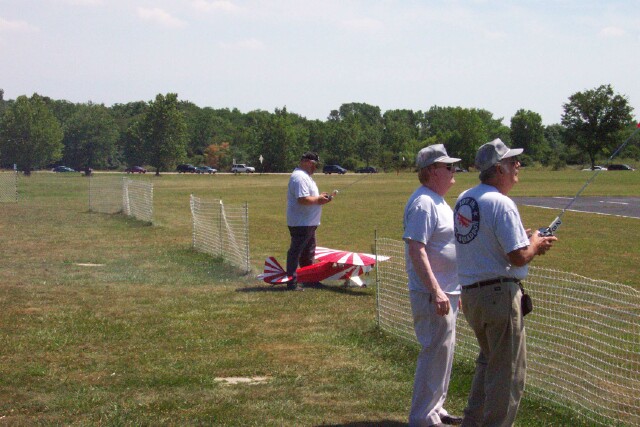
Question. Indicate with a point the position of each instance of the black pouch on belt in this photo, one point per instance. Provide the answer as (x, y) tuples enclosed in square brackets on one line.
[(525, 302)]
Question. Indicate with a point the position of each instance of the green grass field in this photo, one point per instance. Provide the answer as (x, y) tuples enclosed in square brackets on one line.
[(105, 320)]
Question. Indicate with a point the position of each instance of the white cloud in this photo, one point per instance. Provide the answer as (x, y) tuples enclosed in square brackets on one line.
[(217, 5), (16, 26), (611, 32), (495, 35), (84, 2), (248, 44), (363, 24), (160, 17)]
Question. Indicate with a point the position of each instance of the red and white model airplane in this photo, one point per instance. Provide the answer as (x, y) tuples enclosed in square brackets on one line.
[(332, 265)]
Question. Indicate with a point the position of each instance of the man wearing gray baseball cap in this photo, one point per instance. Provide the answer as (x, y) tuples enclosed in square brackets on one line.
[(430, 257), (493, 250)]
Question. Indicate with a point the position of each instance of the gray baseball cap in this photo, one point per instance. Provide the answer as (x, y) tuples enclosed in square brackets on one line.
[(492, 152), (433, 154)]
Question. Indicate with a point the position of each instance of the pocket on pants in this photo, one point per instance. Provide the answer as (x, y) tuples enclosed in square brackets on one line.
[(497, 303)]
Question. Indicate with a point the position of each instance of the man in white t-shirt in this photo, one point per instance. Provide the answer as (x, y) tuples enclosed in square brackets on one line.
[(494, 250), (430, 257), (304, 208)]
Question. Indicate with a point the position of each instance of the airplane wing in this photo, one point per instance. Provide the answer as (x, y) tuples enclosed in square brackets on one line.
[(346, 257)]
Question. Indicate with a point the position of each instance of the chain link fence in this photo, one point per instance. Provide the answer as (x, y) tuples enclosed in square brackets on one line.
[(221, 230), (583, 337), (8, 187), (137, 199), (105, 194), (114, 194)]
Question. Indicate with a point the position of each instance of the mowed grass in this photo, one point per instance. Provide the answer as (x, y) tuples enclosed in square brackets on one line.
[(105, 320)]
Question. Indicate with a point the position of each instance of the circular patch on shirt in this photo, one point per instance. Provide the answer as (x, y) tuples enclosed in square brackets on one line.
[(466, 220)]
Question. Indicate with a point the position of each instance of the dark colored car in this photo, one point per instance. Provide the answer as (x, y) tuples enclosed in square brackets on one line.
[(367, 169), (620, 168), (135, 169), (62, 169), (186, 168), (329, 169)]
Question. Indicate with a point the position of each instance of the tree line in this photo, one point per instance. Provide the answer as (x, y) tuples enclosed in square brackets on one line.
[(39, 132)]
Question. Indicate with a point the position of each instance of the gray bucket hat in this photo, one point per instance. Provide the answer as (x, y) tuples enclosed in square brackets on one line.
[(492, 152)]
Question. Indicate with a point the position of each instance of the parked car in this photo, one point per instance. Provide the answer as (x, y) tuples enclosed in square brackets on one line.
[(206, 169), (135, 169), (458, 170), (240, 167), (596, 168), (186, 168), (367, 169), (329, 169), (62, 169), (620, 168)]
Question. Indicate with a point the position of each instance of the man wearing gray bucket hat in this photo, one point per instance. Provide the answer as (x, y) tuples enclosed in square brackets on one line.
[(493, 250), (430, 257)]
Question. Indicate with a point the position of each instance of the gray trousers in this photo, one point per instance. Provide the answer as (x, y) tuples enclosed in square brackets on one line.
[(302, 249), (495, 315), (437, 337)]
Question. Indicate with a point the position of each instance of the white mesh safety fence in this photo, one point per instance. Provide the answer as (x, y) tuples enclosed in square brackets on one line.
[(8, 186), (137, 199), (221, 230), (583, 337), (105, 193)]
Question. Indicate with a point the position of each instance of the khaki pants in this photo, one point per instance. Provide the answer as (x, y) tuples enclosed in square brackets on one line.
[(495, 315)]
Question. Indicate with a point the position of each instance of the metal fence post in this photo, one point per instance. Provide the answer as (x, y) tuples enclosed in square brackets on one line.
[(246, 234)]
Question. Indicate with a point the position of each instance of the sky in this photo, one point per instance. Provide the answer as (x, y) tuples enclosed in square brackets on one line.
[(313, 56)]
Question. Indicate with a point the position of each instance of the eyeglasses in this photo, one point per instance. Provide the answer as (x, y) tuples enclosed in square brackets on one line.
[(447, 166), (510, 160)]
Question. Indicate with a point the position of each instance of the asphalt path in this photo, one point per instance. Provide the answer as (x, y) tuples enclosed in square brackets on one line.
[(627, 207)]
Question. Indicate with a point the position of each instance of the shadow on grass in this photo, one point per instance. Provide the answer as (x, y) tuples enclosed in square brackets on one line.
[(278, 288), (381, 423)]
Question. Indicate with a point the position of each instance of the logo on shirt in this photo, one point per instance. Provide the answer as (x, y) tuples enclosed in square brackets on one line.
[(466, 220)]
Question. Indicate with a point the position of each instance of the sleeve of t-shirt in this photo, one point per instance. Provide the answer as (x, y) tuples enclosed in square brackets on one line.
[(301, 188), (510, 232), (419, 226)]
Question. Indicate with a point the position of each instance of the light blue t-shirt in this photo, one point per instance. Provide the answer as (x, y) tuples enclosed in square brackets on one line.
[(487, 228), (428, 219), (302, 185)]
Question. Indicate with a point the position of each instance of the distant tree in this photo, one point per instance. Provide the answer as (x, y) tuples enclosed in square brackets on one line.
[(400, 138), (557, 154), (527, 132), (90, 137), (281, 141), (463, 130), (354, 134), (2, 103), (595, 120), (61, 109), (30, 135), (317, 136), (162, 133), (217, 155), (129, 146)]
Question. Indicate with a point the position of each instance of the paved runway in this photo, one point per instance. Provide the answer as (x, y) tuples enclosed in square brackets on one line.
[(628, 207)]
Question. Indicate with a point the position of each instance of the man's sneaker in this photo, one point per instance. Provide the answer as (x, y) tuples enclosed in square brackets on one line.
[(294, 287), (451, 420), (316, 285)]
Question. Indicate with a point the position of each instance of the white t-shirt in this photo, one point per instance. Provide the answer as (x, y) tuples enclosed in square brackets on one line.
[(487, 228), (302, 185), (428, 219)]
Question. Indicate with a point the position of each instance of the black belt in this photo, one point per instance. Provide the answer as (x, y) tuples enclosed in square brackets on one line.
[(490, 282)]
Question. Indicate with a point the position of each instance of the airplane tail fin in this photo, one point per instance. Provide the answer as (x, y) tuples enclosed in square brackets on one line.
[(273, 272)]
